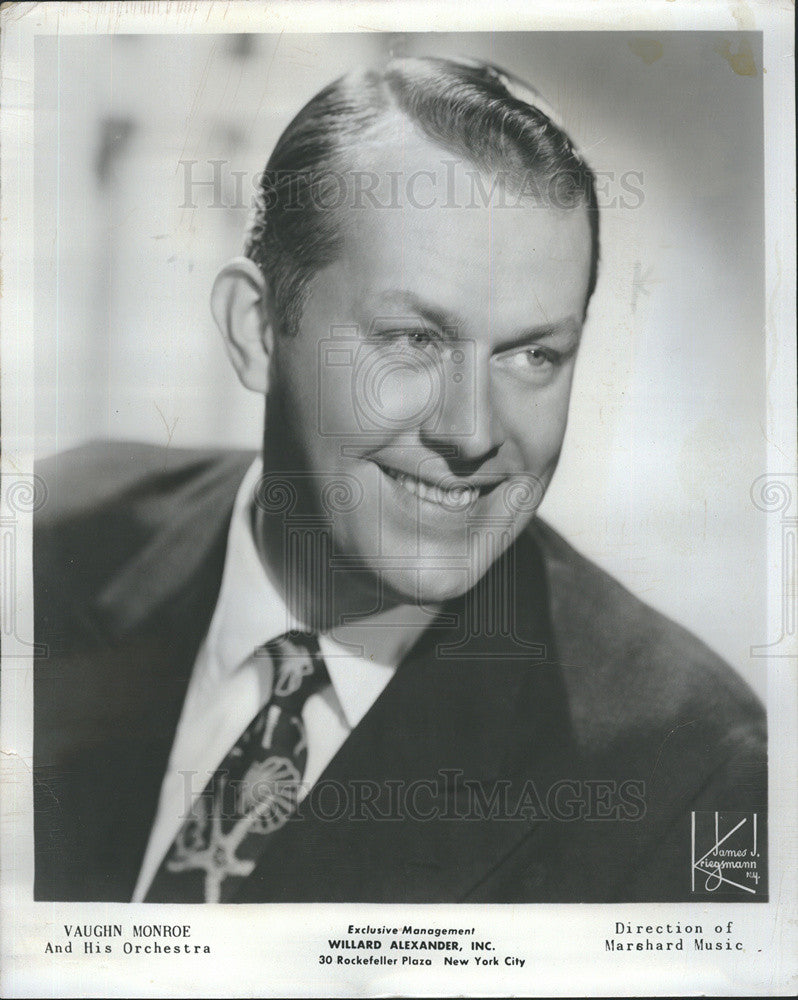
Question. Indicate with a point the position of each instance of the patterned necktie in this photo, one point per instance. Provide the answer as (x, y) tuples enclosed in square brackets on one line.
[(254, 790)]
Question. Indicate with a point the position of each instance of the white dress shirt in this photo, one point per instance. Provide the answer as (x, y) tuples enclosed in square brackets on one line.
[(229, 685)]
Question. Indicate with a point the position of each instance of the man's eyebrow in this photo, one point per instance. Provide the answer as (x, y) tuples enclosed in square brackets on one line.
[(570, 326), (436, 315), (447, 320)]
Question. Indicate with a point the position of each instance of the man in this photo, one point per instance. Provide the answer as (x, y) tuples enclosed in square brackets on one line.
[(358, 667)]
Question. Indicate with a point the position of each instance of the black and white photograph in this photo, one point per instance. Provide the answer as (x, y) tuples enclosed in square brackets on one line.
[(399, 502)]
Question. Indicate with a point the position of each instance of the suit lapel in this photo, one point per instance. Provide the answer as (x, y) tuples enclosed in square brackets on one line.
[(400, 813)]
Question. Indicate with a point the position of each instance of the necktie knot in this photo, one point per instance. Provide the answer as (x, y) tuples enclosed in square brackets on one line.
[(299, 669)]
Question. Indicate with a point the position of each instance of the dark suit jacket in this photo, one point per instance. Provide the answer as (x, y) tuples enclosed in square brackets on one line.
[(557, 760)]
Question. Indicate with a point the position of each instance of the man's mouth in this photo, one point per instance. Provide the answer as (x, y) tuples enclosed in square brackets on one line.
[(450, 493)]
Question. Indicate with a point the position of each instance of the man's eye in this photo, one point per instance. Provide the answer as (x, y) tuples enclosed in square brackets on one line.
[(531, 358), (414, 336), (534, 357), (531, 363)]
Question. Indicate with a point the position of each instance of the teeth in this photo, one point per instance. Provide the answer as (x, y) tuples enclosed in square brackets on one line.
[(458, 498)]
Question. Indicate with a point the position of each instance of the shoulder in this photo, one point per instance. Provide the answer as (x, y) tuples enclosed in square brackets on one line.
[(100, 477), (107, 505), (630, 669)]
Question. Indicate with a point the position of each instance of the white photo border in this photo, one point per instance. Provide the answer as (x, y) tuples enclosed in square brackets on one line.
[(277, 954)]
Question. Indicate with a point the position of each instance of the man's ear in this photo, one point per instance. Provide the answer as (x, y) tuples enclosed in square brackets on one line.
[(241, 306)]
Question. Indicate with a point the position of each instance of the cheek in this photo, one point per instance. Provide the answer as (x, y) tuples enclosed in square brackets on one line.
[(295, 384), (536, 422)]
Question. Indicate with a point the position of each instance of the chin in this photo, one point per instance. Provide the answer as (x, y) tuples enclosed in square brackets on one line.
[(429, 585)]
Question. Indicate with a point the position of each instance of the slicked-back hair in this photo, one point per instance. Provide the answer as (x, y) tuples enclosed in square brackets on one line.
[(472, 109)]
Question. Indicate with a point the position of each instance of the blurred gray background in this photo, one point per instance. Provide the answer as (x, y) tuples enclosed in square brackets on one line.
[(667, 424)]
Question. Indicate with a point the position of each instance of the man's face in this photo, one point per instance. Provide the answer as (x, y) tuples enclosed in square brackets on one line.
[(431, 373)]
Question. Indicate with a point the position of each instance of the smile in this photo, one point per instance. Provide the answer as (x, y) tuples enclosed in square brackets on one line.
[(454, 497)]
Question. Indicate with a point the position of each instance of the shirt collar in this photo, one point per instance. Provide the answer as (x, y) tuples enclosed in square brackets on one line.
[(249, 610), (357, 682), (382, 642)]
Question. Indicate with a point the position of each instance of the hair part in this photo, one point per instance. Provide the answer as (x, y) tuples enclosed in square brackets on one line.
[(472, 109)]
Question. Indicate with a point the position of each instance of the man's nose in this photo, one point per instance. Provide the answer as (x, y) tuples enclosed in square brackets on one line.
[(467, 417)]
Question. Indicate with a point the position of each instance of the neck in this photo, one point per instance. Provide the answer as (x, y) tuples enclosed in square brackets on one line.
[(354, 608)]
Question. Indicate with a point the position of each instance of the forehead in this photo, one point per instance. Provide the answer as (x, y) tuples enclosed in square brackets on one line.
[(459, 237)]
